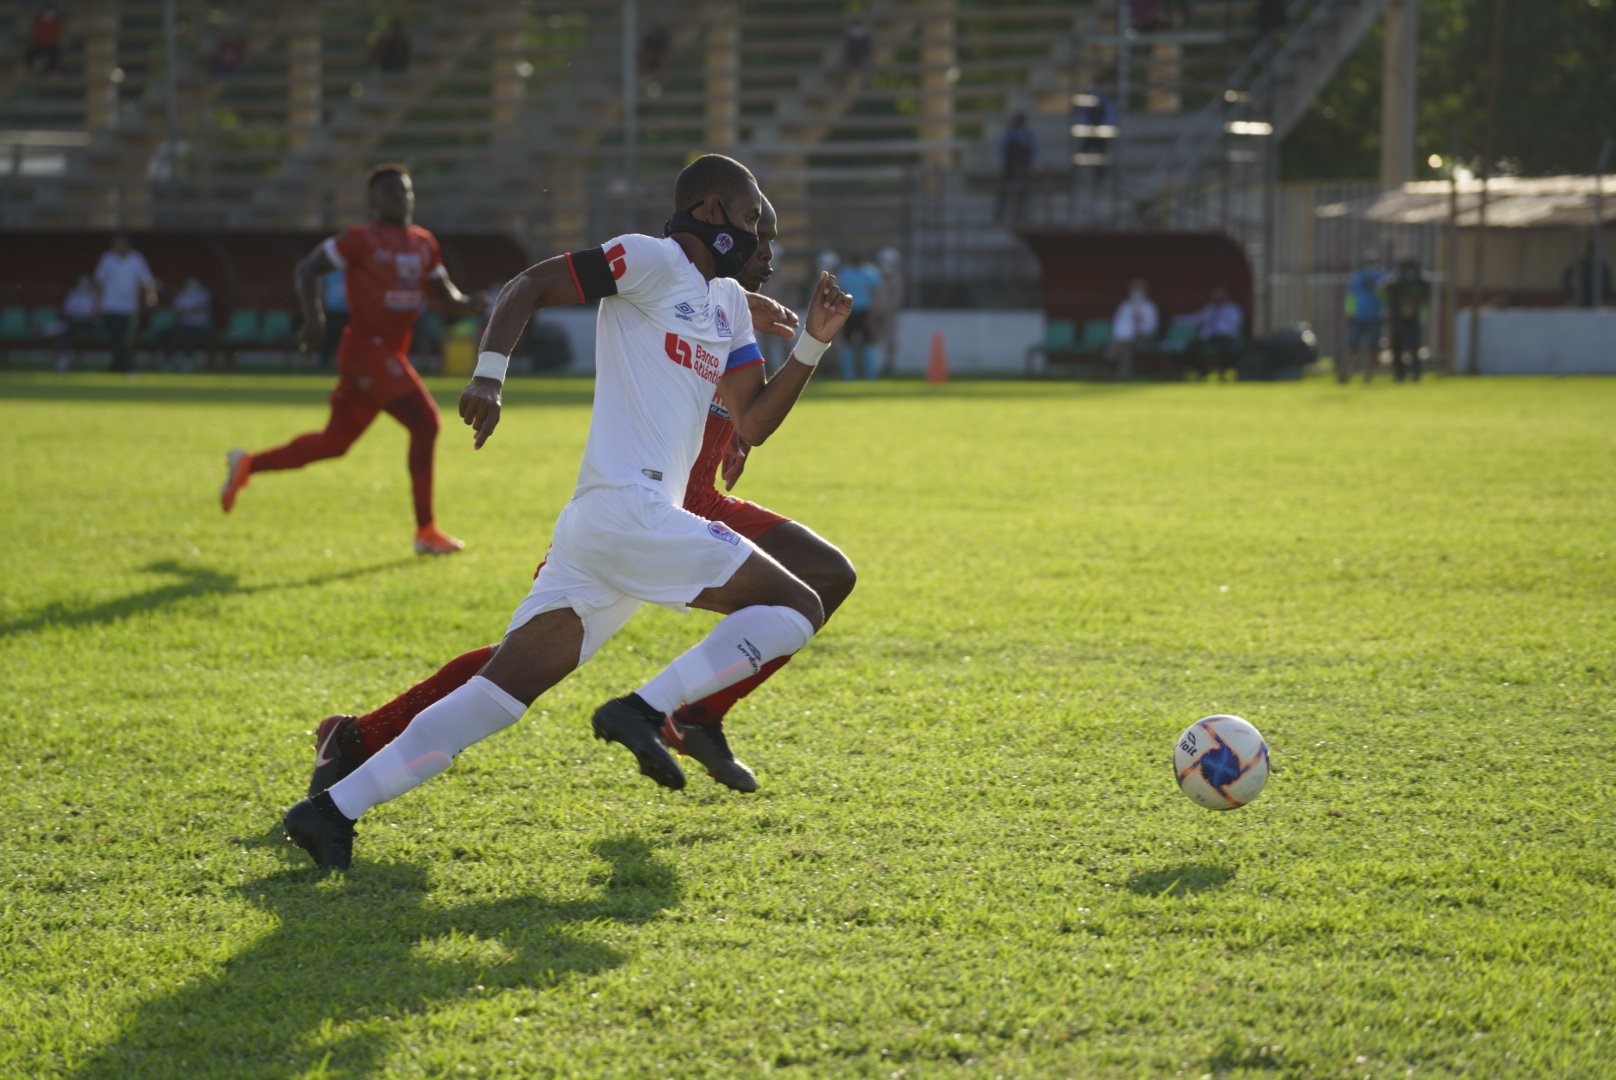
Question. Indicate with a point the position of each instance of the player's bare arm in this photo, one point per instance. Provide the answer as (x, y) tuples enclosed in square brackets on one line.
[(306, 279), (454, 304), (769, 316), (758, 405), (546, 284)]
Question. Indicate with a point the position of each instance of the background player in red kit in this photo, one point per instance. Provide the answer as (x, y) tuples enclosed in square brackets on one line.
[(388, 264), (697, 729)]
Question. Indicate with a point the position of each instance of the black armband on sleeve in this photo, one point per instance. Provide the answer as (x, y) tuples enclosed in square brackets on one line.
[(592, 274)]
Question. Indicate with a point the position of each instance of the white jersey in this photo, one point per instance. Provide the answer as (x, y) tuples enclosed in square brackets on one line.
[(661, 345)]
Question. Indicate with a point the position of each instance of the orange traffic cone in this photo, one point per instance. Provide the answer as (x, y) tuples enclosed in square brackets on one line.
[(937, 370)]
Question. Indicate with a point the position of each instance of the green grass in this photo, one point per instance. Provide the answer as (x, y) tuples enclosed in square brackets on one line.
[(968, 856)]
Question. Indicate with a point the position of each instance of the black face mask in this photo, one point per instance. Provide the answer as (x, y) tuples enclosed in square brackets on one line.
[(731, 246)]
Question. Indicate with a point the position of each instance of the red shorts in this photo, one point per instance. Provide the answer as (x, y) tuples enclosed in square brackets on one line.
[(747, 518), (374, 373)]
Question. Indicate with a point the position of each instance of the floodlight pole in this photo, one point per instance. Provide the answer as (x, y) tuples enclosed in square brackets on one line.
[(171, 92), (1494, 76), (1597, 273), (631, 112)]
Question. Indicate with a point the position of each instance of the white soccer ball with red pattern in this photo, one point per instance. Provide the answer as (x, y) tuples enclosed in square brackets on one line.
[(1221, 762)]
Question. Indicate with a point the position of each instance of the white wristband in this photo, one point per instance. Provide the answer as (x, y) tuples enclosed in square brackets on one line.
[(491, 365), (808, 350)]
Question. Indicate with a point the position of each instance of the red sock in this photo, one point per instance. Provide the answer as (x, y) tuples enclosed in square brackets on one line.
[(383, 725), (710, 710)]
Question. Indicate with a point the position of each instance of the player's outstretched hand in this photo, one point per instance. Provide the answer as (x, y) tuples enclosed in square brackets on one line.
[(769, 316), (734, 461), (312, 336), (828, 310), (479, 408)]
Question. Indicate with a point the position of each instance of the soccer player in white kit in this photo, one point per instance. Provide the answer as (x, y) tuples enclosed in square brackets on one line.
[(673, 324)]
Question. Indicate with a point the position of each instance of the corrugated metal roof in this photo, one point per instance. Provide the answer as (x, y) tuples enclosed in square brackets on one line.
[(1513, 202)]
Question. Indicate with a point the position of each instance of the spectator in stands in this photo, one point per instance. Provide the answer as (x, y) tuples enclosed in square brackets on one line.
[(390, 52), (1587, 279), (1018, 149), (123, 281), (193, 323), (44, 53), (1217, 336), (1271, 16), (856, 47), (860, 280), (77, 322), (1407, 294), (1147, 16), (229, 52), (1134, 325), (334, 290), (655, 48), (1179, 12), (1365, 314), (889, 301)]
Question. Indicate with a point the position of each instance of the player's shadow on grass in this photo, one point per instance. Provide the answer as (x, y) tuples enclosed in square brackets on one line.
[(193, 581), (350, 956), (1180, 880)]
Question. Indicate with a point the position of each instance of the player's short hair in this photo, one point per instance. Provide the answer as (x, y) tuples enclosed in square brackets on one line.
[(386, 168), (710, 174)]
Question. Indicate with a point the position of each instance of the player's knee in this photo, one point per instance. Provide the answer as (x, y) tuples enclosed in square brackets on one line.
[(835, 582), (806, 602)]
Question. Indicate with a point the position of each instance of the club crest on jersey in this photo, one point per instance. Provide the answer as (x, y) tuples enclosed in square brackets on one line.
[(684, 311), (409, 266), (723, 242), (723, 532), (724, 330)]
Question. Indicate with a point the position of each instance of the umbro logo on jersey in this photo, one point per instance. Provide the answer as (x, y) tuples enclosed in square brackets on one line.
[(684, 311)]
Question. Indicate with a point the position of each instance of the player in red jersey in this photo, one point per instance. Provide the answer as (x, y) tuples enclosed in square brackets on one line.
[(388, 264), (697, 729)]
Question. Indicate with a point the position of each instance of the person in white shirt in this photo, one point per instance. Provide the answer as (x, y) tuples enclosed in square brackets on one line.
[(123, 281), (1134, 325), (673, 324), (193, 318), (77, 321), (1217, 335)]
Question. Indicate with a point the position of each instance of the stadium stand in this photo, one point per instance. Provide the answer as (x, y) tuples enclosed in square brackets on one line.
[(512, 118)]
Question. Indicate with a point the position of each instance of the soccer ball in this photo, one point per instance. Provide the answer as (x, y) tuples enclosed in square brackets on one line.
[(1221, 762)]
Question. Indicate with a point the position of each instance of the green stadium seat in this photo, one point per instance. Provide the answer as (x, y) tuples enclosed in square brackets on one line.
[(243, 328), (44, 318), (1177, 339), (1060, 336), (277, 328), (1096, 336), (160, 321), (14, 324)]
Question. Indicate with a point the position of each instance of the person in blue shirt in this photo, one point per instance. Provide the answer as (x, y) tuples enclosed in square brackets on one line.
[(1366, 311), (334, 290), (1217, 336), (861, 280)]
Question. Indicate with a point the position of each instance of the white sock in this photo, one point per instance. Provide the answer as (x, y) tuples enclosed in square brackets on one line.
[(742, 642), (428, 746)]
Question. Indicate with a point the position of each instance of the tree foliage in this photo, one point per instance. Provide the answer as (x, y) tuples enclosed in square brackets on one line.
[(1556, 92)]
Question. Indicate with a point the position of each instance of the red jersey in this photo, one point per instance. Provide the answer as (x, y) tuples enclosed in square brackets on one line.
[(385, 269)]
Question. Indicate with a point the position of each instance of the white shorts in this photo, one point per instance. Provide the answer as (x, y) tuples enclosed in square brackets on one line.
[(615, 548)]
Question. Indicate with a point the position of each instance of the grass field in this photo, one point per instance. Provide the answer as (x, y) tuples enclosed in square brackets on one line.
[(968, 856)]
